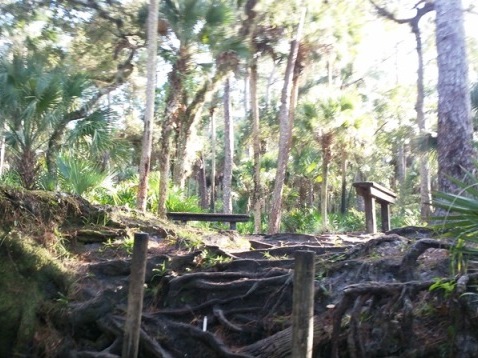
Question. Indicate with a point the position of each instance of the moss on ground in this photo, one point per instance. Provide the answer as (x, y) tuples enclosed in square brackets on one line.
[(29, 274)]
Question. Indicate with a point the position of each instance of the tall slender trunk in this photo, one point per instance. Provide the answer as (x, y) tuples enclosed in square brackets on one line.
[(213, 158), (425, 180), (186, 134), (285, 132), (257, 190), (171, 119), (164, 166), (326, 143), (247, 95), (401, 164), (228, 149), (145, 162), (424, 168), (201, 180), (343, 191), (270, 82), (2, 152), (455, 130)]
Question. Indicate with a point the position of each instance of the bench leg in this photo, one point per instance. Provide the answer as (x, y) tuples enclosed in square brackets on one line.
[(232, 225), (385, 211), (370, 217)]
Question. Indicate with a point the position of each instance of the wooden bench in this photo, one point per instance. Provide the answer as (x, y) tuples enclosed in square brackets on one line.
[(232, 219), (372, 192)]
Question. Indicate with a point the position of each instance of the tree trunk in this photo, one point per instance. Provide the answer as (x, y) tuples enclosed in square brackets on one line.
[(401, 164), (269, 86), (27, 168), (326, 141), (184, 139), (2, 153), (285, 127), (201, 180), (247, 89), (228, 150), (343, 192), (425, 179), (455, 150), (213, 158), (145, 162), (257, 190), (172, 115)]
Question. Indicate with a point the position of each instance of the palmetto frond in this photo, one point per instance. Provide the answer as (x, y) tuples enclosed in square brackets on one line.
[(460, 218), (29, 99), (95, 137), (79, 176), (474, 98), (474, 104)]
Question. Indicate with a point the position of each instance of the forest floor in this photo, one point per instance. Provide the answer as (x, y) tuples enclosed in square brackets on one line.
[(64, 269)]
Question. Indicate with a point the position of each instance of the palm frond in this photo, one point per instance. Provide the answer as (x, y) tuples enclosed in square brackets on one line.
[(474, 98), (79, 176), (459, 212)]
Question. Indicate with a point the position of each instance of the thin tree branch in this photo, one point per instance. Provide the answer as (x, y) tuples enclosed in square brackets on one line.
[(427, 7)]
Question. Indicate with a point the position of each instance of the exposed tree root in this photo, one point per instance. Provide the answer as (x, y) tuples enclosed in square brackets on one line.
[(279, 345), (366, 303), (409, 261)]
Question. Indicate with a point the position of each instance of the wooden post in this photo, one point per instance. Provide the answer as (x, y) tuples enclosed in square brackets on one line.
[(385, 212), (303, 305), (135, 296), (370, 216)]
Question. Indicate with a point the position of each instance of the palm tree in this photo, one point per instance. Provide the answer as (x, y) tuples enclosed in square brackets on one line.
[(328, 120), (36, 104), (196, 25), (228, 149), (29, 102)]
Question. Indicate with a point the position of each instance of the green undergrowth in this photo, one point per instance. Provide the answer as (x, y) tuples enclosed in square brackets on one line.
[(29, 275)]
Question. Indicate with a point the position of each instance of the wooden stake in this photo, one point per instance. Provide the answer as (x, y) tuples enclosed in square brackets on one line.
[(303, 305), (135, 296)]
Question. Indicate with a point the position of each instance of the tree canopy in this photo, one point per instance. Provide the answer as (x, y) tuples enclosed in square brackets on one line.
[(362, 105)]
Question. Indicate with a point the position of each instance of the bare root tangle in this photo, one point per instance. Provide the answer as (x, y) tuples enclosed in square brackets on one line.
[(181, 339), (363, 292), (277, 297), (289, 251), (354, 341), (114, 325), (208, 339), (409, 261), (279, 345), (219, 314), (367, 247), (251, 285), (88, 312), (190, 278), (254, 265), (87, 354)]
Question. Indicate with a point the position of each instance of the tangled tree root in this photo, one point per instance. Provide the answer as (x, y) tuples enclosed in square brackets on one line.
[(369, 302)]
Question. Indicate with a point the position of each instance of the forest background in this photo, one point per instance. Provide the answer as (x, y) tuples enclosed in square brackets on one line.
[(260, 107)]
